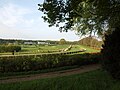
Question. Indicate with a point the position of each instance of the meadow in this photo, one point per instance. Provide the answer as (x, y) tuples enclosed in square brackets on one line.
[(43, 48), (38, 49)]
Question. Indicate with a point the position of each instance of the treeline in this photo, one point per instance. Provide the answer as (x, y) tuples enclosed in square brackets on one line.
[(91, 42), (88, 41), (15, 41), (51, 42), (10, 48)]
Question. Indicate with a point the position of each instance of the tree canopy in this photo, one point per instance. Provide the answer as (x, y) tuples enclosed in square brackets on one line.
[(84, 16), (62, 41)]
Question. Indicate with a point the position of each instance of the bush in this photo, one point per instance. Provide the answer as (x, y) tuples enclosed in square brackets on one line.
[(9, 48), (111, 53), (39, 62)]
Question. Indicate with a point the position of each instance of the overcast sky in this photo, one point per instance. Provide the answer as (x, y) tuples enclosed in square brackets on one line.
[(20, 19)]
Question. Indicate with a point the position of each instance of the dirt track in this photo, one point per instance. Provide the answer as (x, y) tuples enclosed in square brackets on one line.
[(81, 69)]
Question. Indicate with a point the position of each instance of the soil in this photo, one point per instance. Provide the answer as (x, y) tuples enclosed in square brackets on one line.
[(79, 70)]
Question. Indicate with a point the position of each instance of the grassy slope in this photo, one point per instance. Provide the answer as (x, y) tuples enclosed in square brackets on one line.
[(95, 80), (88, 49)]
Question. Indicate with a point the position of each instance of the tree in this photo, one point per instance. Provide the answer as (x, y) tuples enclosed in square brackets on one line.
[(111, 53), (91, 42), (62, 41), (84, 16)]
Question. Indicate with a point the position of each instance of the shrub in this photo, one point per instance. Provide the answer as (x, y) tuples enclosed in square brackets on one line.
[(39, 62), (9, 48), (111, 53)]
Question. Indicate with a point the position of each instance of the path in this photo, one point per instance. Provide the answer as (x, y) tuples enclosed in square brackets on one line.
[(79, 70)]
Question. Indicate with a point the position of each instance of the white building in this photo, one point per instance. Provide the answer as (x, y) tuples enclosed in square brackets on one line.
[(30, 43), (43, 43)]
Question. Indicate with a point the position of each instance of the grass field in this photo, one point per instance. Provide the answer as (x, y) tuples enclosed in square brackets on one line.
[(94, 80), (56, 47), (33, 49)]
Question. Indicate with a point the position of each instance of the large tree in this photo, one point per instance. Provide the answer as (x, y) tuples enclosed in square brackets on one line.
[(86, 17), (62, 41)]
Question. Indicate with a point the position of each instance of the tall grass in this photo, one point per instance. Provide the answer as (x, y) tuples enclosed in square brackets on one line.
[(95, 80)]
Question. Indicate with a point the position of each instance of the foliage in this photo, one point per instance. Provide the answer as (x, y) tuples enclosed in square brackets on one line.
[(111, 53), (91, 42), (86, 16), (5, 75), (9, 48), (62, 41), (39, 62)]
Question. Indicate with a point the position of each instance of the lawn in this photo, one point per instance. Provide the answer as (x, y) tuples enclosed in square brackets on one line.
[(36, 49), (88, 49), (57, 47), (94, 80), (43, 47)]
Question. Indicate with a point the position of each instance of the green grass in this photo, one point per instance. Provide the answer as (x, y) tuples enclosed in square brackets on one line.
[(43, 47), (32, 49), (22, 74), (88, 49), (35, 49), (95, 80)]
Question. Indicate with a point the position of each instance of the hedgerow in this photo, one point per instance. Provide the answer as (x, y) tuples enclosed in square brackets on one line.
[(10, 48), (40, 62)]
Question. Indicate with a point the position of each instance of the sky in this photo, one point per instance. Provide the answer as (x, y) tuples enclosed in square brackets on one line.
[(21, 19)]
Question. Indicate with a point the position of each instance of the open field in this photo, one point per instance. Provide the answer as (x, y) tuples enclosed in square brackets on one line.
[(55, 47), (94, 80), (37, 49)]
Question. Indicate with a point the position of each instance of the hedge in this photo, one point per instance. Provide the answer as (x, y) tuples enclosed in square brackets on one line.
[(39, 62), (9, 48)]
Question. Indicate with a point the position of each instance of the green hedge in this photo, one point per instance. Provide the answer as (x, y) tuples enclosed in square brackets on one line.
[(39, 62), (9, 48)]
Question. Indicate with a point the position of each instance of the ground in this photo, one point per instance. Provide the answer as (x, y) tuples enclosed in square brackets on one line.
[(79, 70)]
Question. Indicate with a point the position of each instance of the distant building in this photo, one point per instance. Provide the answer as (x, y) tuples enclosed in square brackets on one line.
[(44, 43), (30, 43)]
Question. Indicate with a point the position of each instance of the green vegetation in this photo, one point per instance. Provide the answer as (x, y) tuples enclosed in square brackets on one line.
[(95, 80), (9, 48), (62, 41), (43, 48), (37, 49), (91, 42), (111, 54), (22, 74), (88, 17), (45, 61), (87, 48)]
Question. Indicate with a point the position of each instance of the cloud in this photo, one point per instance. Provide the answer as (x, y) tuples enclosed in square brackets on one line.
[(12, 15), (18, 20), (6, 32)]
